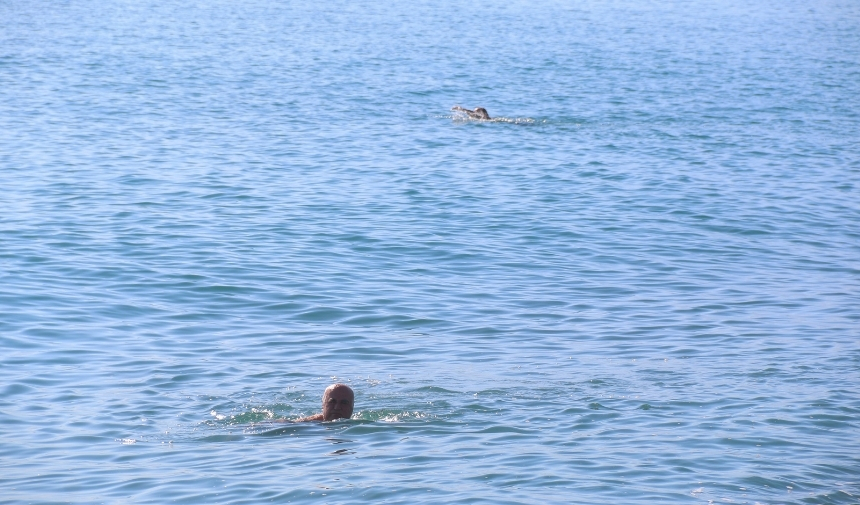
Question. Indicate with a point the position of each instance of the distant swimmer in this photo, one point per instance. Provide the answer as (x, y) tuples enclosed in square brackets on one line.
[(337, 403), (478, 113)]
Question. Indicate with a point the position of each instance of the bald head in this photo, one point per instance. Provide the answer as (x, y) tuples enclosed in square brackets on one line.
[(337, 402)]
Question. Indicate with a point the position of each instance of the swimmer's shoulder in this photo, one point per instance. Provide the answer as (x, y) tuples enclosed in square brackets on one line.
[(284, 420), (315, 417)]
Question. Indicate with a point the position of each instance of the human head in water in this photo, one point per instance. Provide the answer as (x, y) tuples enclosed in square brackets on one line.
[(337, 402), (478, 113), (481, 113)]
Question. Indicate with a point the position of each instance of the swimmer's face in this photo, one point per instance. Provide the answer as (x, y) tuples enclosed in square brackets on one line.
[(338, 403)]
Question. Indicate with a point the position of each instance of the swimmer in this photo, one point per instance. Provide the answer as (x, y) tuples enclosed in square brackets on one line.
[(337, 403), (478, 113)]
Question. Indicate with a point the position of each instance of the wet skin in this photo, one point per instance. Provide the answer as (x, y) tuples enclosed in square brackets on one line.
[(337, 403)]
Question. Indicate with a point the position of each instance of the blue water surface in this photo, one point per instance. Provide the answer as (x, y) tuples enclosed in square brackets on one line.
[(639, 284)]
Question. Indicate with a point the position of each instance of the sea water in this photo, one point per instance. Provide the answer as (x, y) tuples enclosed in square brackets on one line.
[(640, 284)]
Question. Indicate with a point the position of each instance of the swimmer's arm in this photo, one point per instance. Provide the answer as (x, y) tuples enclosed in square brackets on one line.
[(474, 114), (315, 417)]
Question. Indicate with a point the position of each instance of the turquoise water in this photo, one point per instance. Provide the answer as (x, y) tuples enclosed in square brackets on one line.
[(640, 285)]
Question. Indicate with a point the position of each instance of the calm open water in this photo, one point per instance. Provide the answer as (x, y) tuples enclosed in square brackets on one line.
[(640, 286)]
